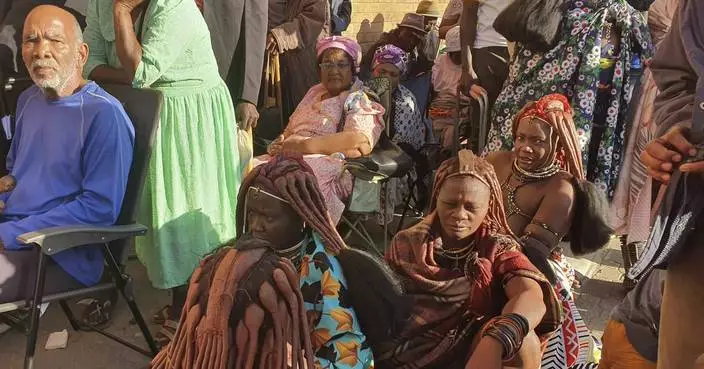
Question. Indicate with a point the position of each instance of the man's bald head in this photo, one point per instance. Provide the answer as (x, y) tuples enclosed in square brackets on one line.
[(53, 50)]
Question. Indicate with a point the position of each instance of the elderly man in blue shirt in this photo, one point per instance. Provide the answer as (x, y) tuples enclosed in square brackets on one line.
[(69, 160)]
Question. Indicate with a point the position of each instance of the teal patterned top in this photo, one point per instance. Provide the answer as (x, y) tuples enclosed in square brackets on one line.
[(338, 341)]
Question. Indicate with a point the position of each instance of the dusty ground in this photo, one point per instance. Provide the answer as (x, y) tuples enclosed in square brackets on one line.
[(601, 290)]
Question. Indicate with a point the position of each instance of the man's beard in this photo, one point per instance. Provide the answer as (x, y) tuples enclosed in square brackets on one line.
[(58, 81)]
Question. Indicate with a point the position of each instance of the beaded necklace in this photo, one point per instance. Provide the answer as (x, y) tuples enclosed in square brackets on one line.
[(455, 256), (524, 177), (293, 253)]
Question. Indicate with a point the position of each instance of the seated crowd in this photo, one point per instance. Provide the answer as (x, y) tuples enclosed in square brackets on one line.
[(259, 273)]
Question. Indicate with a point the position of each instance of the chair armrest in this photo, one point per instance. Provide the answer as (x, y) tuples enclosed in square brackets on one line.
[(57, 239)]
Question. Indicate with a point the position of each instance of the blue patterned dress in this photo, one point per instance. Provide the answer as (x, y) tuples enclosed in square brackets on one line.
[(338, 341)]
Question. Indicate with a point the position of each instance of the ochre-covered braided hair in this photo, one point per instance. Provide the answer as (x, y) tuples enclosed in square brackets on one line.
[(289, 177), (242, 310), (468, 164), (563, 137)]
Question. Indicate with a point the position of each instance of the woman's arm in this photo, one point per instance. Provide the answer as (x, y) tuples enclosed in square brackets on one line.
[(163, 40), (525, 298), (97, 67), (105, 74), (554, 215), (362, 129), (468, 34), (128, 49), (352, 144)]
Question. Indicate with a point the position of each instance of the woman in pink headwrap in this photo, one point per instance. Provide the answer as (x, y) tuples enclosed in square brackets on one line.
[(335, 120)]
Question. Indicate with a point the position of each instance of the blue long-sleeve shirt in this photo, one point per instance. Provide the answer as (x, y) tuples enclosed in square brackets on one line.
[(71, 159)]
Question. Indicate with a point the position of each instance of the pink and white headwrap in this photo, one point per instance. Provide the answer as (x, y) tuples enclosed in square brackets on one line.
[(346, 44), (390, 54)]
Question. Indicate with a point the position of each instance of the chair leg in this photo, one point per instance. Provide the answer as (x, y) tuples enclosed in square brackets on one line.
[(384, 187), (125, 286), (35, 311), (406, 204), (69, 315)]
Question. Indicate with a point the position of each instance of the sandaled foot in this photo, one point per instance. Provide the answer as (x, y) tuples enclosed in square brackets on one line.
[(166, 334), (162, 315)]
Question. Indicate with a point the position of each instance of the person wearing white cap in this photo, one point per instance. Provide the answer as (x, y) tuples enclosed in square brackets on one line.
[(446, 76)]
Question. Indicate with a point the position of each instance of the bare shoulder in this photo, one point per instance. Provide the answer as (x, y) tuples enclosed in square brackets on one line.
[(561, 183)]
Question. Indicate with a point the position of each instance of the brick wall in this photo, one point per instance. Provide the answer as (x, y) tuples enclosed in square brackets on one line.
[(372, 17)]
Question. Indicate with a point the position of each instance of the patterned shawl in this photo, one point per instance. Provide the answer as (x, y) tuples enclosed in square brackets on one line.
[(451, 305)]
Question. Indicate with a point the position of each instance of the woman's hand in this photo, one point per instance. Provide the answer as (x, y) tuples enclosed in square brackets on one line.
[(276, 146), (487, 355), (293, 143), (129, 4)]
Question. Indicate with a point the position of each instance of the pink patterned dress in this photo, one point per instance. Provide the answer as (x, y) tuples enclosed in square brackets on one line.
[(315, 117)]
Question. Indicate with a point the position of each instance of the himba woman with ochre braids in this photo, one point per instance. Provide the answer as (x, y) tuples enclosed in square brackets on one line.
[(280, 204), (479, 302), (540, 179)]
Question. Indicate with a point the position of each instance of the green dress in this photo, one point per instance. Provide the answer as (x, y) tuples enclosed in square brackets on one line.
[(190, 194)]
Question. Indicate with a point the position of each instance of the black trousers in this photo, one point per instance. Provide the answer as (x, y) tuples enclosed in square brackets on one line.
[(491, 66), (18, 271)]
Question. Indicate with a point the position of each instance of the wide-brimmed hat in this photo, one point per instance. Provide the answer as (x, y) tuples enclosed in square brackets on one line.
[(429, 8), (413, 21)]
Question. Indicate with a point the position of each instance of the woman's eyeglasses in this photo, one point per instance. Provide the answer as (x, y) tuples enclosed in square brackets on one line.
[(331, 66)]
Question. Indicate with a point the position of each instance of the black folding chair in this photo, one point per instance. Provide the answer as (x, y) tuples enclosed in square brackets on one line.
[(363, 169), (143, 107), (474, 131)]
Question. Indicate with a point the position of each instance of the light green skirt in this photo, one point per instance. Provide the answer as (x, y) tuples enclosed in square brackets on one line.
[(190, 194)]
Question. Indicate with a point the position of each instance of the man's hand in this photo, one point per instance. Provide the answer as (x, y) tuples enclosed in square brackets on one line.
[(662, 155), (247, 115), (271, 45), (7, 183), (469, 87)]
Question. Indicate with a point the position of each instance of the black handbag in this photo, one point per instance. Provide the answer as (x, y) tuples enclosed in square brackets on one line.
[(534, 24), (387, 159)]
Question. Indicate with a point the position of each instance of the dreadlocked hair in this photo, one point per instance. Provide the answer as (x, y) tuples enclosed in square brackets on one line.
[(242, 310), (590, 229), (290, 177), (563, 139), (468, 164)]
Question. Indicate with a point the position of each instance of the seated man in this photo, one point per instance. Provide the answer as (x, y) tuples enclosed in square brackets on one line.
[(70, 157)]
